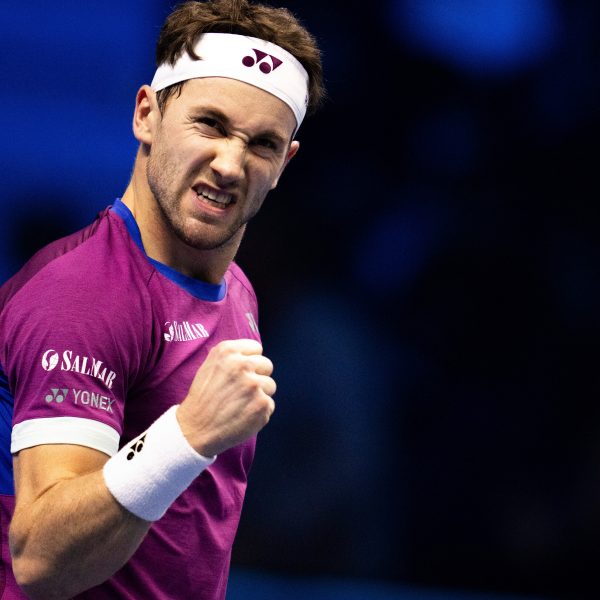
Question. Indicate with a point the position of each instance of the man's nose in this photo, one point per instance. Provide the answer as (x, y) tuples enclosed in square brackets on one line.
[(228, 161)]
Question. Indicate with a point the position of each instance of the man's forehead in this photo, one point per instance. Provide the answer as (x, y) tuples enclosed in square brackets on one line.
[(239, 102)]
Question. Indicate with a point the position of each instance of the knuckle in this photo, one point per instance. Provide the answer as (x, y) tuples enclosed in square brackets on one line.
[(266, 405), (247, 364), (269, 411), (240, 368), (220, 350), (254, 387), (263, 408)]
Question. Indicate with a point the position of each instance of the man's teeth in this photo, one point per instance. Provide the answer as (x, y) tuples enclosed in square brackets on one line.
[(218, 197)]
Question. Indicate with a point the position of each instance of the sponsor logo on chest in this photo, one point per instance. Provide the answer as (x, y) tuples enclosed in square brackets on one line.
[(86, 365), (184, 331)]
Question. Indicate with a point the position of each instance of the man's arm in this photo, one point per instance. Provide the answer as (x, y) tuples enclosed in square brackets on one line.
[(68, 533)]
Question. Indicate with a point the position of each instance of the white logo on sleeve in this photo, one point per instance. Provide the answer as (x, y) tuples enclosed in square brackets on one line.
[(56, 395), (82, 398), (86, 365), (49, 360), (93, 400)]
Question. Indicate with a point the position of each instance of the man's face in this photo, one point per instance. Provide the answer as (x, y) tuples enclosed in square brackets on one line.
[(215, 154)]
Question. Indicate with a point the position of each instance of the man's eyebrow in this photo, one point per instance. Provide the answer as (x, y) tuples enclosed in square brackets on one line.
[(272, 135), (213, 113), (217, 115)]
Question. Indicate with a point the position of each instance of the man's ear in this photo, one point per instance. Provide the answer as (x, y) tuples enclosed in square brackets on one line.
[(146, 116), (294, 147)]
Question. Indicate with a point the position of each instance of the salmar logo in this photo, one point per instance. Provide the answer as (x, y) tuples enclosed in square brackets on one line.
[(184, 331), (49, 360), (86, 365)]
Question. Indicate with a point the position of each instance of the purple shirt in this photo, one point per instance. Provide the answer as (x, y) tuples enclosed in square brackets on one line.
[(96, 341)]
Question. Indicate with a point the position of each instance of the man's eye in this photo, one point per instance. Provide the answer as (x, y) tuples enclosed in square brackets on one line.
[(266, 143), (212, 123)]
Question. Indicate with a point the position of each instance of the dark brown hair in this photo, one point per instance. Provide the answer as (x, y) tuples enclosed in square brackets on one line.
[(277, 25)]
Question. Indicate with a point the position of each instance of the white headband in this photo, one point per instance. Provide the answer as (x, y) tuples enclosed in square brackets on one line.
[(248, 59)]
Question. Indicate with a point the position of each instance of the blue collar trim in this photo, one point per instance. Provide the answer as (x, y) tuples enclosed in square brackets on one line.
[(200, 289)]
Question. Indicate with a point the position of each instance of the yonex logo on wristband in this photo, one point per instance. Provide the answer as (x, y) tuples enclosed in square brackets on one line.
[(262, 62), (136, 447), (167, 466)]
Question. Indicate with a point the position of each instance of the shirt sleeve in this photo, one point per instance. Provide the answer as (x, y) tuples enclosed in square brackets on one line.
[(71, 346)]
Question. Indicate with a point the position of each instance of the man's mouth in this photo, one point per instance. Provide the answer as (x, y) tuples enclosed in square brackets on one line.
[(213, 197)]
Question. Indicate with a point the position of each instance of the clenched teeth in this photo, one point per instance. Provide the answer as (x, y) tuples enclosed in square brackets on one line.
[(209, 194)]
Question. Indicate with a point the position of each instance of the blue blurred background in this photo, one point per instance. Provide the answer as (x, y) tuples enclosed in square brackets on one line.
[(428, 275)]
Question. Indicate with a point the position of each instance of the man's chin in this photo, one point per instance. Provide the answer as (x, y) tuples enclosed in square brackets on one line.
[(207, 241)]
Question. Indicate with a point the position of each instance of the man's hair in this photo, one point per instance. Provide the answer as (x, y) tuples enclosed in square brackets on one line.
[(277, 25)]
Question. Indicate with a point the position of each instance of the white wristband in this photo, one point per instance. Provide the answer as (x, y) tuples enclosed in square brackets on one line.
[(150, 471)]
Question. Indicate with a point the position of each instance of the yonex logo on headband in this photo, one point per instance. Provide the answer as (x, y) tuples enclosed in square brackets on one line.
[(236, 57), (263, 65)]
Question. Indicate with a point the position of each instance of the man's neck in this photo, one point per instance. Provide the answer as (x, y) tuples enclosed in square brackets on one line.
[(162, 245)]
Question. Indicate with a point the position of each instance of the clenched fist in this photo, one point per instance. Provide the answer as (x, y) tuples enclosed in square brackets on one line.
[(230, 398)]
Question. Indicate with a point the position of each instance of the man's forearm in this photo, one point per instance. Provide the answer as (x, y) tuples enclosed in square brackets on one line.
[(69, 532), (72, 537)]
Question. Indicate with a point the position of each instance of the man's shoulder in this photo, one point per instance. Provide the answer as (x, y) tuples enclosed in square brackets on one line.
[(87, 296), (47, 256), (99, 257)]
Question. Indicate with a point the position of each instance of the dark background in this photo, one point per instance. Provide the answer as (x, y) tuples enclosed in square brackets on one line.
[(427, 271)]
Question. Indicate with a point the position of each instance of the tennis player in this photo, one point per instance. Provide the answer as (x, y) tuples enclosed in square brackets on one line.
[(132, 381)]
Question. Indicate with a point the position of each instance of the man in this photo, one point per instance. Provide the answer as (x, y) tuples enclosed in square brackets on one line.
[(140, 332)]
